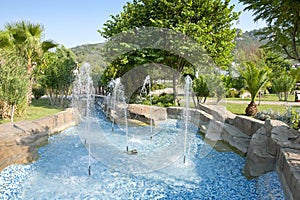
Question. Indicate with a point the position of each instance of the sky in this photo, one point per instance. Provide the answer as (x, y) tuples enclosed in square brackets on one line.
[(75, 22)]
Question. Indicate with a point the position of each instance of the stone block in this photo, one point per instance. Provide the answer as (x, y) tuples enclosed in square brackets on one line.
[(28, 127), (214, 130), (146, 113), (19, 141), (236, 138), (47, 123), (247, 124), (258, 161), (230, 118), (174, 112), (288, 164), (218, 112), (270, 124)]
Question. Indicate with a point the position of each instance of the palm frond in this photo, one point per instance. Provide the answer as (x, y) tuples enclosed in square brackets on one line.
[(255, 77), (48, 44)]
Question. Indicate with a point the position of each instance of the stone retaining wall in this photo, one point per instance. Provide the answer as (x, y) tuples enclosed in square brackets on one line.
[(268, 146), (20, 141)]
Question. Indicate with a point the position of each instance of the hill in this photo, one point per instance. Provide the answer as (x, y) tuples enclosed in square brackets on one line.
[(90, 53)]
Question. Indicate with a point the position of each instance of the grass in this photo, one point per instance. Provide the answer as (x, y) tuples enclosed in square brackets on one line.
[(265, 97), (39, 108), (239, 109)]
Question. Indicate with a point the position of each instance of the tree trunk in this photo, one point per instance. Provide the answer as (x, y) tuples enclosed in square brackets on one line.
[(279, 96), (286, 96), (251, 109), (174, 89), (12, 113), (29, 92), (193, 95), (198, 102), (29, 73), (4, 109), (62, 98)]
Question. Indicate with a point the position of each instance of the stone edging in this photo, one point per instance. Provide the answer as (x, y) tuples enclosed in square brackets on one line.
[(19, 142), (268, 146)]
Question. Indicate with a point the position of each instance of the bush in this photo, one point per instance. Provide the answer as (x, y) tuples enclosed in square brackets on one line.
[(290, 117), (157, 86), (232, 93), (163, 100), (38, 92)]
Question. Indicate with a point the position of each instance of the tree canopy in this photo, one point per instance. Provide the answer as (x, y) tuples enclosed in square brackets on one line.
[(24, 39), (283, 24), (208, 22)]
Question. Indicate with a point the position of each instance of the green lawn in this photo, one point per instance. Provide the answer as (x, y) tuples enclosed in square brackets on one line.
[(265, 97), (239, 109), (39, 108)]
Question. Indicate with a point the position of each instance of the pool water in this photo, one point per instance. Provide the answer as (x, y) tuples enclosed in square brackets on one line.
[(61, 172)]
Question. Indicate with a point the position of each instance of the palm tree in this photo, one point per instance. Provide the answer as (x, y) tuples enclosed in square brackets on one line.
[(24, 39), (255, 78)]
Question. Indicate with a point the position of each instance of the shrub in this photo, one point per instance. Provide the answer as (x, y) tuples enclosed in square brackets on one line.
[(290, 117), (163, 100), (38, 92), (232, 93)]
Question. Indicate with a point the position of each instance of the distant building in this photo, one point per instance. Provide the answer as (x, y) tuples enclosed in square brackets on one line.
[(296, 65)]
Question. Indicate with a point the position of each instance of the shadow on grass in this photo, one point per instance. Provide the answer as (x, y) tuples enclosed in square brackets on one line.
[(38, 109)]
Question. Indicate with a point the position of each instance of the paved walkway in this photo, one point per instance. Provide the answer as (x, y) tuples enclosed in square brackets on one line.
[(282, 103)]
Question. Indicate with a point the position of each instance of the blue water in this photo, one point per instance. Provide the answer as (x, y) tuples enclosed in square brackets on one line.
[(61, 172)]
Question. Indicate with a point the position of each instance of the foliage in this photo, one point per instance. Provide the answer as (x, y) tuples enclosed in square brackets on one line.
[(38, 91), (283, 22), (290, 117), (208, 23), (57, 74), (13, 87), (296, 73), (38, 109), (256, 77), (157, 86), (200, 89), (24, 40), (233, 82), (162, 100), (284, 83), (91, 54)]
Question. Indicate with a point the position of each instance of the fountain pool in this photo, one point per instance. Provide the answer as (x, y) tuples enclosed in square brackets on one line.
[(61, 171)]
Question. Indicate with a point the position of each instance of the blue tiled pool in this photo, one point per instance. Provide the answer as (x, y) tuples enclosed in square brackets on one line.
[(61, 173)]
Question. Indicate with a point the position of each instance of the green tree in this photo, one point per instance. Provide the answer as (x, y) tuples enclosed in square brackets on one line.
[(283, 24), (13, 86), (57, 74), (24, 39), (207, 22), (256, 77), (201, 90), (284, 83)]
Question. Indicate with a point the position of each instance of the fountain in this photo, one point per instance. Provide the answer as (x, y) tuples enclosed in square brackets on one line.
[(119, 101), (144, 91), (186, 111), (112, 100), (83, 100), (156, 172)]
